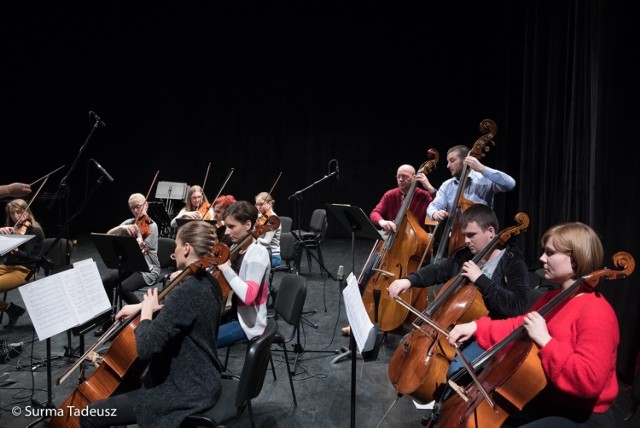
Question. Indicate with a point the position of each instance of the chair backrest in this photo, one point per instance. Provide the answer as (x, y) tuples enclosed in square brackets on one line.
[(255, 365), (60, 255), (286, 223), (318, 224), (166, 247), (292, 294), (287, 247)]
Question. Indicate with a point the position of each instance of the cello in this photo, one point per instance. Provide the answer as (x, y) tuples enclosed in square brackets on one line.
[(509, 380), (401, 253), (120, 369), (451, 238), (419, 364)]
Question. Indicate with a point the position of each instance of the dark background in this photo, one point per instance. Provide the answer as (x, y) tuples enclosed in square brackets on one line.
[(283, 86)]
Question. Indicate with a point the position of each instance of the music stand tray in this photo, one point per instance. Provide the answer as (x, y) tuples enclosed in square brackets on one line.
[(183, 221), (120, 252), (355, 221), (171, 190)]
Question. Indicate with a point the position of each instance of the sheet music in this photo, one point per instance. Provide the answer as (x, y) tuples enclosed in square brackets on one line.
[(361, 326), (9, 242), (59, 302)]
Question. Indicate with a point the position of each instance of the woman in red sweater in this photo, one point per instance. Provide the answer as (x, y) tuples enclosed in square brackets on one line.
[(577, 345)]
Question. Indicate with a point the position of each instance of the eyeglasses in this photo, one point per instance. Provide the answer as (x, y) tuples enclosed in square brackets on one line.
[(259, 204), (403, 177), (136, 207)]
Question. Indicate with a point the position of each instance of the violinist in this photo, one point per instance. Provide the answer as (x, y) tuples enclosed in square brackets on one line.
[(15, 190), (577, 344), (271, 240), (20, 261), (197, 206), (219, 207), (247, 275), (384, 214), (178, 343), (482, 185), (146, 232)]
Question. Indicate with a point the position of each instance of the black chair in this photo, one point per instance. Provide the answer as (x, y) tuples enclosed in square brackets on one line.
[(240, 391), (286, 223), (292, 293), (166, 247), (288, 253), (310, 240)]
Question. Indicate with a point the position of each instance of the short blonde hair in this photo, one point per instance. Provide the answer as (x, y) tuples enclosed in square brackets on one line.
[(580, 242)]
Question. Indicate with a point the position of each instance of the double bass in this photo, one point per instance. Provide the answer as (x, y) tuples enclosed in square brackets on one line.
[(419, 365), (401, 253), (452, 238), (509, 380), (120, 369)]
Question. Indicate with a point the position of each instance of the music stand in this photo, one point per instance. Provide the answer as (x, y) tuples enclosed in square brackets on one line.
[(120, 252), (159, 213), (357, 222)]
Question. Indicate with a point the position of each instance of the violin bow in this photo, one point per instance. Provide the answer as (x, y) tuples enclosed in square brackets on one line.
[(206, 175), (274, 185), (223, 186), (35, 195), (146, 198), (47, 175)]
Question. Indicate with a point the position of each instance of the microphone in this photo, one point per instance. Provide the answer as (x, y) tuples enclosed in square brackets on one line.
[(340, 273), (96, 118), (337, 170), (103, 171)]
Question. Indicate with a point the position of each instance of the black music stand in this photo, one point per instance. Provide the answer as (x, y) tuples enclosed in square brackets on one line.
[(159, 213), (120, 252), (357, 222)]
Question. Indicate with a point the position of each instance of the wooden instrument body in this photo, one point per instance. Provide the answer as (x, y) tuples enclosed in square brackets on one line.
[(398, 256), (120, 370), (419, 365)]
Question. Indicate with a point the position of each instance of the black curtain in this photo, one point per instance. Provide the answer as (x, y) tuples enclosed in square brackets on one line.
[(282, 86)]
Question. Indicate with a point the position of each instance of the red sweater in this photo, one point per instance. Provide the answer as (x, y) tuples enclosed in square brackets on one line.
[(580, 359)]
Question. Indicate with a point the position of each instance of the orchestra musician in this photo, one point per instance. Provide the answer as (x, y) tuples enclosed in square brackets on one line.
[(148, 242), (502, 277), (247, 273), (221, 203), (271, 240), (191, 210), (178, 343), (385, 212), (19, 262), (482, 184), (577, 345)]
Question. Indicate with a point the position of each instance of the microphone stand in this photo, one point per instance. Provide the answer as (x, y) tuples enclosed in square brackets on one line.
[(62, 187)]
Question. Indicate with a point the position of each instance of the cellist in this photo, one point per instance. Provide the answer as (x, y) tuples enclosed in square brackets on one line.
[(502, 277), (191, 210), (178, 343), (577, 344)]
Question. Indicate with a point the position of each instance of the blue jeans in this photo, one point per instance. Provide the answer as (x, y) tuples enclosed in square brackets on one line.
[(471, 350), (230, 333)]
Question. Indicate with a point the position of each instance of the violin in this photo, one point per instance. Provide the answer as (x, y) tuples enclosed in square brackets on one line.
[(142, 223), (21, 228)]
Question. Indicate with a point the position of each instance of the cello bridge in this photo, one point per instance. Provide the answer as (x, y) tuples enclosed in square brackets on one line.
[(459, 390), (383, 272)]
